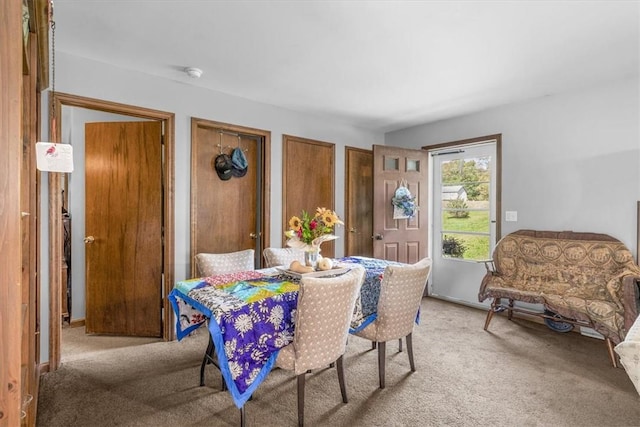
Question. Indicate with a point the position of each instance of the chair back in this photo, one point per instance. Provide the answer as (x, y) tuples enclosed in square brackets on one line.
[(232, 262), (282, 256), (323, 315), (401, 292)]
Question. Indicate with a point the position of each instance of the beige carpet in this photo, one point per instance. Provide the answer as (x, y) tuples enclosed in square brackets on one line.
[(518, 374)]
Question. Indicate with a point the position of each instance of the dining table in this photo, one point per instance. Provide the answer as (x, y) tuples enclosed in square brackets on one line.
[(250, 316)]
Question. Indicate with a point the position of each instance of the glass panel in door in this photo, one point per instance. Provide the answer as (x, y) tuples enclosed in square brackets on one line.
[(464, 219)]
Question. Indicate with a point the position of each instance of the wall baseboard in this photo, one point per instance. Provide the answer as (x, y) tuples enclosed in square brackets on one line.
[(76, 323)]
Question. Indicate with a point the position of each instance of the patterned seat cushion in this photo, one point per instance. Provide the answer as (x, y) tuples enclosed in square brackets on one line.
[(282, 256), (401, 292), (232, 262), (323, 315)]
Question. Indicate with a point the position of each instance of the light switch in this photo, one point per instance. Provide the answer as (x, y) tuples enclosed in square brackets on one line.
[(511, 216)]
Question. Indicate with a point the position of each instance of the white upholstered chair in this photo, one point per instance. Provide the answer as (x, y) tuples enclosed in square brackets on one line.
[(282, 256), (210, 265), (401, 292), (629, 352), (232, 262), (323, 315)]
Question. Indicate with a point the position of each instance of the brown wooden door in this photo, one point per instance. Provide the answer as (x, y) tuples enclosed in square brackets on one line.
[(403, 240), (359, 202), (225, 215), (308, 180), (123, 208)]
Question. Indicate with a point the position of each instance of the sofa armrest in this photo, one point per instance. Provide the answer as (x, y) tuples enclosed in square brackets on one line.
[(490, 266)]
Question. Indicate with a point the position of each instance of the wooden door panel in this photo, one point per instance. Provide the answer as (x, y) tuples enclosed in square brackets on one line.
[(226, 216), (403, 240), (123, 196), (358, 202), (308, 180)]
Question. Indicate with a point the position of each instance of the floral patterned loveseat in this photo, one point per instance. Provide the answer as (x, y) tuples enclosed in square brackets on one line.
[(587, 279)]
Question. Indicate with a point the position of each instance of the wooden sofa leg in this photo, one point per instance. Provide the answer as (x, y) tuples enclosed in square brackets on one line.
[(510, 312), (491, 312), (612, 354)]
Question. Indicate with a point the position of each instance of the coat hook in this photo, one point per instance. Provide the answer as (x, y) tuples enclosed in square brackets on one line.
[(220, 142)]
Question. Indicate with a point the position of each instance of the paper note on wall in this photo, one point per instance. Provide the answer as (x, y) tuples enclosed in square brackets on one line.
[(51, 157)]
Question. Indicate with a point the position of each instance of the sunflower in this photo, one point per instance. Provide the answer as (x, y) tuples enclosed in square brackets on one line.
[(329, 219), (320, 212), (295, 223)]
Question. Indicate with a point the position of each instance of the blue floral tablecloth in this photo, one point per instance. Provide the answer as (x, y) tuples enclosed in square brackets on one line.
[(251, 318)]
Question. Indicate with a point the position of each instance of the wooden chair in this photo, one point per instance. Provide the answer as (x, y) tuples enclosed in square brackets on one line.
[(282, 256), (210, 265), (323, 315), (401, 292)]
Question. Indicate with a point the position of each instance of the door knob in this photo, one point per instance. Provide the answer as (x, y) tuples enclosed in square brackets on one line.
[(378, 237), (89, 239), (352, 230), (254, 235)]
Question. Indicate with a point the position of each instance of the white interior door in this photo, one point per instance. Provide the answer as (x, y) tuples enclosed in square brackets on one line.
[(464, 219)]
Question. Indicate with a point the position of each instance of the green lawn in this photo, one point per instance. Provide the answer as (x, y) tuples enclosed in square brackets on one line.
[(477, 247)]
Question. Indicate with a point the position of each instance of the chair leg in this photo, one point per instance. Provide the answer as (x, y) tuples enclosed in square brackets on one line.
[(343, 388), (301, 400), (612, 355), (510, 311), (205, 360), (410, 351), (242, 417), (209, 357), (399, 345), (382, 347), (373, 345)]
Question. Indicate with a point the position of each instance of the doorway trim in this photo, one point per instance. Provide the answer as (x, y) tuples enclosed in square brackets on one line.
[(497, 138), (264, 137), (55, 212)]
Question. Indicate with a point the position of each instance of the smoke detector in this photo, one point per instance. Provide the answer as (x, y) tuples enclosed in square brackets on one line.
[(193, 72)]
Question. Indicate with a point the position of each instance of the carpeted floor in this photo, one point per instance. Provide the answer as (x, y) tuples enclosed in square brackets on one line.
[(517, 374)]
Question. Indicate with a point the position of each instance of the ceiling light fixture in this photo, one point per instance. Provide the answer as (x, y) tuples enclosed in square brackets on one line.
[(193, 72)]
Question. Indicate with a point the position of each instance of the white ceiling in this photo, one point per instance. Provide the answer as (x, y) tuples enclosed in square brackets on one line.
[(381, 65)]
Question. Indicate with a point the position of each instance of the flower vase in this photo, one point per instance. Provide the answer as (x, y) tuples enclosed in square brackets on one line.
[(311, 256)]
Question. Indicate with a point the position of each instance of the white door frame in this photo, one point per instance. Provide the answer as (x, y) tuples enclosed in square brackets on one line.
[(466, 275)]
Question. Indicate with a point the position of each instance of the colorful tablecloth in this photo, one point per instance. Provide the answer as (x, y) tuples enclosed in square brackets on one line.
[(249, 321), (251, 318)]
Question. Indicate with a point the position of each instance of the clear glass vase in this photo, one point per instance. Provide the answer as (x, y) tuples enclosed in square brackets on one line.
[(311, 256)]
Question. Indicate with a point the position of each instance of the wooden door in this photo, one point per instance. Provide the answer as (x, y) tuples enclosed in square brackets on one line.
[(358, 202), (226, 215), (403, 240), (308, 180), (123, 208)]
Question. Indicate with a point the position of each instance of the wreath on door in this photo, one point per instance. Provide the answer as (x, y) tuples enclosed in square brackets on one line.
[(404, 203)]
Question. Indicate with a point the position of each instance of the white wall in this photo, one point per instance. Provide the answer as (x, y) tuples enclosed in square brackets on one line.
[(569, 162), (92, 79)]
